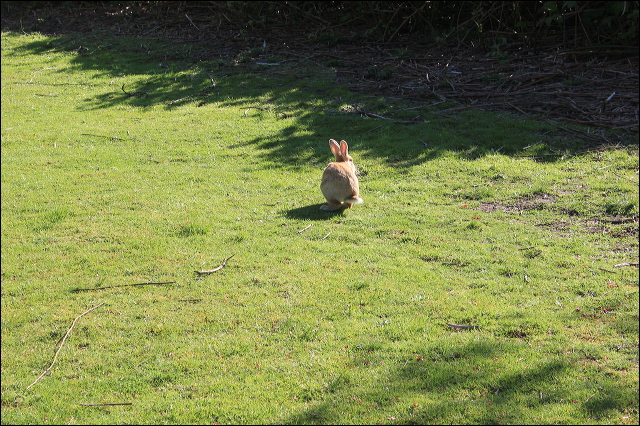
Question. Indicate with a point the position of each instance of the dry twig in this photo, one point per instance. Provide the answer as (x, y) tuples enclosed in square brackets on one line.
[(305, 228), (121, 285), (467, 327), (224, 262), (106, 403), (62, 344), (625, 264), (203, 93), (137, 93)]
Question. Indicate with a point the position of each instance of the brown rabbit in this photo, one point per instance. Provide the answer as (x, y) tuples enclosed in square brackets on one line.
[(339, 181)]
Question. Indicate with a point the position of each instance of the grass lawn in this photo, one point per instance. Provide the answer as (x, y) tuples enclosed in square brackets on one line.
[(125, 161)]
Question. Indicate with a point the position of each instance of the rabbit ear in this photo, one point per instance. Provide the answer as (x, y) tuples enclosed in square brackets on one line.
[(335, 148), (344, 148)]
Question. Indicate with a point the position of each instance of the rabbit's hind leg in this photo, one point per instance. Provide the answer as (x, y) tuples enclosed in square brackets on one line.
[(332, 206)]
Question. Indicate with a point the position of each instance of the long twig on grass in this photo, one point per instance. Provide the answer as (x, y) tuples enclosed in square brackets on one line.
[(625, 264), (107, 403), (224, 262), (252, 107), (121, 285), (203, 93), (305, 228), (325, 237), (101, 136), (467, 327), (136, 93), (375, 128), (372, 115), (62, 344)]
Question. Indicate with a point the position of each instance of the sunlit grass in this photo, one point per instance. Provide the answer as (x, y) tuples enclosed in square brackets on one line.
[(317, 318)]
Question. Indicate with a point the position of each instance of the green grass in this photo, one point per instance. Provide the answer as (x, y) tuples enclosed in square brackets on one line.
[(344, 322)]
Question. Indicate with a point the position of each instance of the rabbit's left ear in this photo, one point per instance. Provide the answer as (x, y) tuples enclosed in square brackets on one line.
[(335, 148), (344, 148)]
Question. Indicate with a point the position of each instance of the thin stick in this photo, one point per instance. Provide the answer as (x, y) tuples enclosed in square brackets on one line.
[(375, 128), (463, 326), (302, 230), (192, 22), (224, 262), (62, 344), (325, 237), (112, 403), (625, 264), (121, 285), (204, 92), (101, 136), (138, 93)]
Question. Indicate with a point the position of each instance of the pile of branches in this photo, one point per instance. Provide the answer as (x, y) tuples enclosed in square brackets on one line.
[(585, 87), (481, 23)]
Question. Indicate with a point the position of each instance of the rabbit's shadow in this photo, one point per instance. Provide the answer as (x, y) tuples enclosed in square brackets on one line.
[(311, 212)]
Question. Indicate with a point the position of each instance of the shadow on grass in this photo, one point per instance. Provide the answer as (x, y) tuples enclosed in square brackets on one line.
[(312, 212), (493, 397), (174, 74)]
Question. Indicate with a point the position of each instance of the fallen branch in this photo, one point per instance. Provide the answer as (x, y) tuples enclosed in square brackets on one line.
[(224, 262), (107, 403), (252, 107), (194, 25), (372, 115), (101, 136), (121, 285), (203, 93), (137, 93), (304, 229), (467, 327), (62, 344), (625, 264)]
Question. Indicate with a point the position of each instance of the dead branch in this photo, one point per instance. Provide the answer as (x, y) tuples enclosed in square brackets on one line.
[(625, 264), (325, 237), (107, 403), (76, 290), (252, 107), (136, 93), (466, 327), (372, 115), (224, 262), (102, 136), (194, 25), (203, 93), (62, 344), (305, 228)]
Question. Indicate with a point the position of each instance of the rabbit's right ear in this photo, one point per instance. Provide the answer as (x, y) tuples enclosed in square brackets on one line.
[(344, 148)]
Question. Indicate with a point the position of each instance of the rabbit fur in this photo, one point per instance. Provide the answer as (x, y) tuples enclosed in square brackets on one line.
[(339, 181)]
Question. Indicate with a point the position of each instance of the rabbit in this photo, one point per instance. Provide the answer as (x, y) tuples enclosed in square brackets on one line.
[(339, 181)]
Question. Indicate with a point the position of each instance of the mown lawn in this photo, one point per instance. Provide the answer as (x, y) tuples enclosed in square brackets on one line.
[(125, 161)]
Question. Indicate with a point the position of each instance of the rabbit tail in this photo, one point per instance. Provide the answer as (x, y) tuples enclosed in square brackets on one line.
[(354, 200)]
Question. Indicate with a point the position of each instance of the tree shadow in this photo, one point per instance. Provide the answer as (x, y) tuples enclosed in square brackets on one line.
[(173, 75), (498, 394)]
